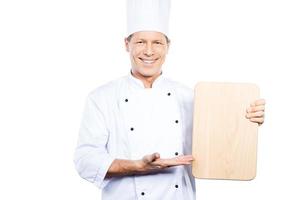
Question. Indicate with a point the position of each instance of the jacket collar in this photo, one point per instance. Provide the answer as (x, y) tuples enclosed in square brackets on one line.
[(137, 83)]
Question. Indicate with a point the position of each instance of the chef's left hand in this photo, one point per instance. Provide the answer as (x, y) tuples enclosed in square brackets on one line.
[(256, 111)]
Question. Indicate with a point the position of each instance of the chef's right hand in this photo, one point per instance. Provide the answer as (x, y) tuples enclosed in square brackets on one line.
[(153, 162)]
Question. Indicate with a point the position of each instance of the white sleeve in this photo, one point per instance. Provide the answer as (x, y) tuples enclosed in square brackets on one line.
[(91, 157)]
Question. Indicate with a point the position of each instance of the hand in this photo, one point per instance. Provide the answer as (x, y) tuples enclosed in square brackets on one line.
[(153, 162), (256, 112)]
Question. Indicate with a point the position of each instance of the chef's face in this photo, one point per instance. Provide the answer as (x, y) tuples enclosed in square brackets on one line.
[(147, 51)]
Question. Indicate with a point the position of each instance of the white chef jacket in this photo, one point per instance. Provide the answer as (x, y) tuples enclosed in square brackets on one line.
[(124, 120)]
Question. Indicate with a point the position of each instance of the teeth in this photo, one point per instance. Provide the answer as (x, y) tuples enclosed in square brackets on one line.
[(148, 61)]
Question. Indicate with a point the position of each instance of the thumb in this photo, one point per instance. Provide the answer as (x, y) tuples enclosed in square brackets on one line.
[(154, 156), (151, 157), (157, 156)]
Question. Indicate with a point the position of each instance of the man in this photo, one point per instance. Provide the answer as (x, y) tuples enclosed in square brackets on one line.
[(135, 136)]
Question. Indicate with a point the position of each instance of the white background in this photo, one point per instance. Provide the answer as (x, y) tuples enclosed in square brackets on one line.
[(53, 53)]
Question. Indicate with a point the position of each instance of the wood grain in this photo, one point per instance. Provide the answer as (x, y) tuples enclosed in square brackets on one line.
[(224, 140)]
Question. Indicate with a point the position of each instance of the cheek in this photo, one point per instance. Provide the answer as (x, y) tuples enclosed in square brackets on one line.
[(161, 60), (161, 51), (133, 53), (136, 52)]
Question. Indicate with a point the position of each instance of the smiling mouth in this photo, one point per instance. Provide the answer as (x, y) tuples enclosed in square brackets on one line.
[(148, 61)]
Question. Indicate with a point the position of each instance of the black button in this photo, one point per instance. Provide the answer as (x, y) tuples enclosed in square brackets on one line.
[(176, 121), (131, 129), (126, 100), (176, 153), (169, 94), (176, 186), (143, 193)]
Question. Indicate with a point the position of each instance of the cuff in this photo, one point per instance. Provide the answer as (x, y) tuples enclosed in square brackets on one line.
[(99, 181)]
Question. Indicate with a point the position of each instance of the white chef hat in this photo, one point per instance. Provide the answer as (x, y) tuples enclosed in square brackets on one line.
[(148, 15)]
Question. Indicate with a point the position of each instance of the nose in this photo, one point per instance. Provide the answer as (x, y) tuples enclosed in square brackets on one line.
[(149, 50)]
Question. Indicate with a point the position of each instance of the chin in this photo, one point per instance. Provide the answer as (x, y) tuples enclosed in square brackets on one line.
[(147, 71), (150, 72), (147, 74)]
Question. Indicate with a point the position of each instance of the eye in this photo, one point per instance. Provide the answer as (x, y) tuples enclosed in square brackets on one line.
[(139, 42), (158, 42)]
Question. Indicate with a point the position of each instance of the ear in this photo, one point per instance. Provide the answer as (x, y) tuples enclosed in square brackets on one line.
[(126, 44), (168, 46)]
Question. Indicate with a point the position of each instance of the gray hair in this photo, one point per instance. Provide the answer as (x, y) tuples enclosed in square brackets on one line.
[(130, 36)]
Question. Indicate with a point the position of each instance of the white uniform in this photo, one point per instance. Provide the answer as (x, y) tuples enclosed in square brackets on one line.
[(124, 120)]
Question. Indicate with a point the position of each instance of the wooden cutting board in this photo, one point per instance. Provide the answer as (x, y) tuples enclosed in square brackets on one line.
[(224, 140)]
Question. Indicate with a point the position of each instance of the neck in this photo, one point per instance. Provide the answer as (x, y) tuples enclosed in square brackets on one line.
[(147, 80)]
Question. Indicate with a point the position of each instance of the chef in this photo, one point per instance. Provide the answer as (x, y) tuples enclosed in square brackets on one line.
[(136, 131)]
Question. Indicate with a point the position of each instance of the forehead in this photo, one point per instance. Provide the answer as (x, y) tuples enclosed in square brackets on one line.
[(148, 35)]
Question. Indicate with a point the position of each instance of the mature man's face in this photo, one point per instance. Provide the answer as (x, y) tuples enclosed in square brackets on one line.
[(147, 51)]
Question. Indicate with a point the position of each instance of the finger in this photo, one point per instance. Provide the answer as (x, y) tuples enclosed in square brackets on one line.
[(258, 102), (177, 163), (255, 108), (257, 120), (171, 162), (157, 155), (185, 158), (152, 157), (182, 160), (179, 160), (255, 114)]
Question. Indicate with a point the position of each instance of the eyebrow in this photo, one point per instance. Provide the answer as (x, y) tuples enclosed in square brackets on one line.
[(157, 40)]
